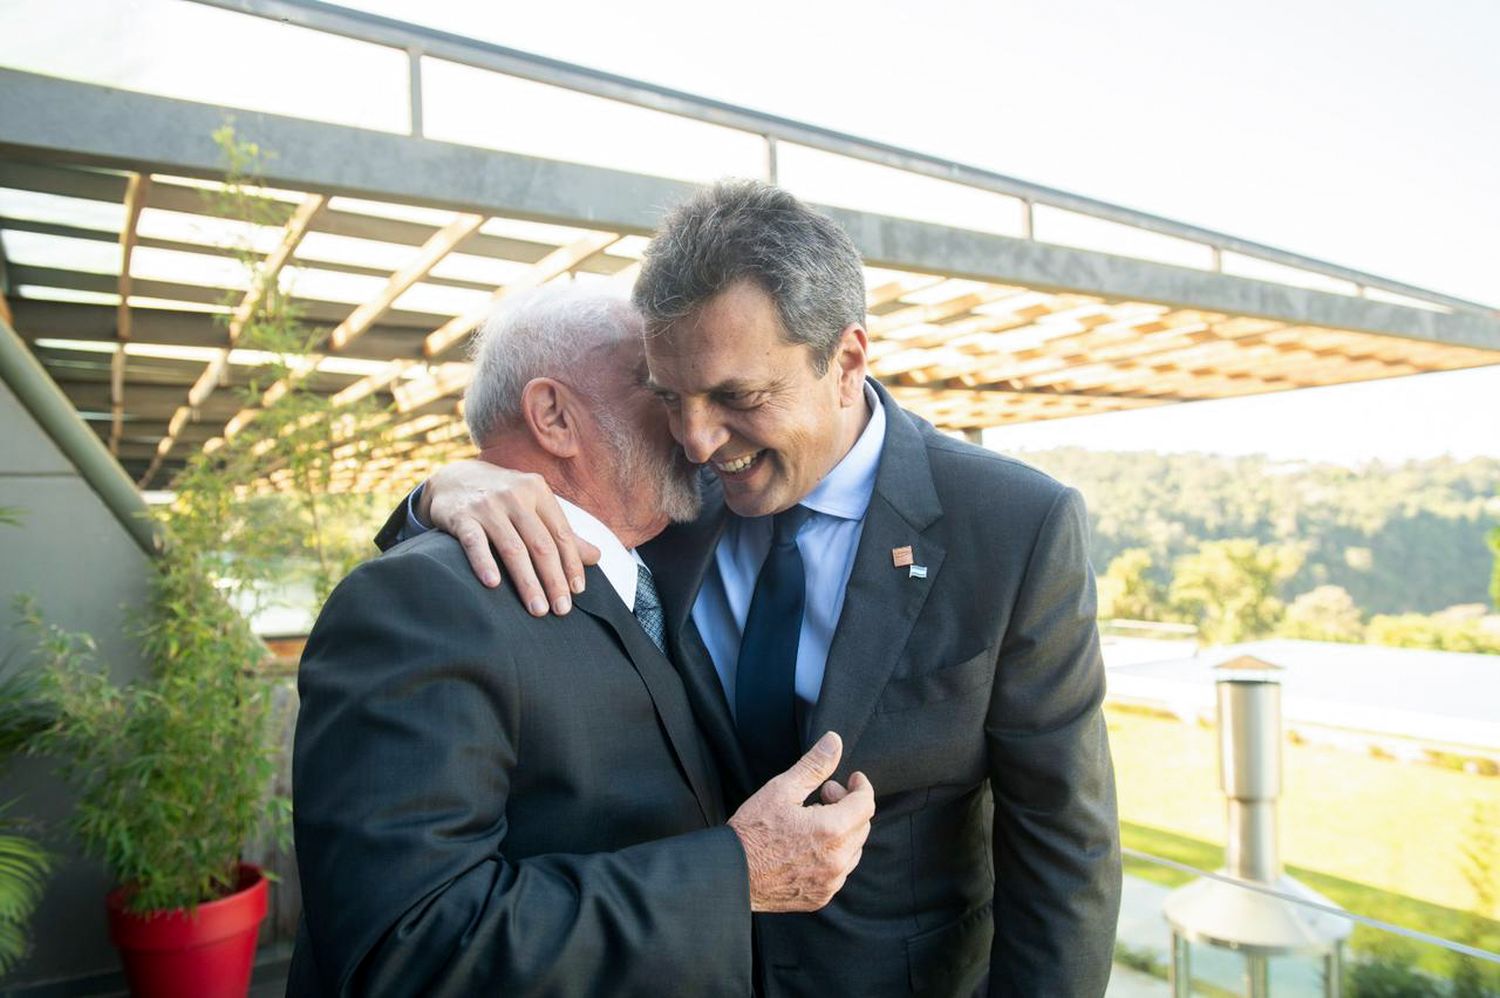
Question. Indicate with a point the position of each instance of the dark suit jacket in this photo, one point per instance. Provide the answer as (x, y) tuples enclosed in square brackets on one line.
[(486, 803), (976, 689), (971, 698)]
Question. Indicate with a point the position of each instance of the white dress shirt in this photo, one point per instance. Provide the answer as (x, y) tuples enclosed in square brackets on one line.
[(616, 561), (827, 541)]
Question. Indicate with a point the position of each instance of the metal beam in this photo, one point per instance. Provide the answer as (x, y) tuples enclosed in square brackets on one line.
[(52, 411), (414, 39), (62, 120), (904, 244)]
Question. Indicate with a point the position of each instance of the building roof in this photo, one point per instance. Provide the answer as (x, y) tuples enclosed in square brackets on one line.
[(1436, 696), (991, 300)]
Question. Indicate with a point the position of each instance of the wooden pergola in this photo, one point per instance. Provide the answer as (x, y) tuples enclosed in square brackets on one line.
[(394, 246)]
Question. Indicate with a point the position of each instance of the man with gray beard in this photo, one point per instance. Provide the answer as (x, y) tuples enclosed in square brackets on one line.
[(487, 802)]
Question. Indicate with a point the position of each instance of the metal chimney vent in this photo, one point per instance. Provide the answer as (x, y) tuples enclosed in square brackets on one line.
[(1219, 914)]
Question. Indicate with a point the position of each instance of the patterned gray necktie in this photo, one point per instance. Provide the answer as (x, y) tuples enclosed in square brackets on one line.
[(648, 609)]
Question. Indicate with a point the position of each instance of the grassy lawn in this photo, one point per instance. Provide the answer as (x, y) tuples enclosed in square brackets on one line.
[(1384, 839)]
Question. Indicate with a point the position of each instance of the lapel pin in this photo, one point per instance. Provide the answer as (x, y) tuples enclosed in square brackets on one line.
[(917, 572), (901, 557)]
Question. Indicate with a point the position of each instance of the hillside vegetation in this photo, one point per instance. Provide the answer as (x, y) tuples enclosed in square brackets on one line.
[(1399, 538)]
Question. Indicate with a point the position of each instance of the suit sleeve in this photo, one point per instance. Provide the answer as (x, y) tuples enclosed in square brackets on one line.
[(403, 523), (1056, 832), (405, 753)]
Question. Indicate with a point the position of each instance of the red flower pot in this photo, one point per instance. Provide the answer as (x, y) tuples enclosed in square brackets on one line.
[(206, 954)]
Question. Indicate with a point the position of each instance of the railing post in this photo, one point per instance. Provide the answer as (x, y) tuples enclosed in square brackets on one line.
[(414, 75), (1258, 974), (1333, 972), (771, 168), (1028, 219), (1181, 976)]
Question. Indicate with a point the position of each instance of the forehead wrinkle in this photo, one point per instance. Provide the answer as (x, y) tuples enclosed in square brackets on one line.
[(732, 384)]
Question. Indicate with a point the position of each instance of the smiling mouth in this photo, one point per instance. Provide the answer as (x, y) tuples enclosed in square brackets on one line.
[(739, 464)]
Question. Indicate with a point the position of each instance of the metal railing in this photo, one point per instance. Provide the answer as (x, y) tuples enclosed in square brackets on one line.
[(418, 42), (1380, 957)]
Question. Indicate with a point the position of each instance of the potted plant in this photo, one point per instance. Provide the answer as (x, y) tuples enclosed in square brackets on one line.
[(171, 773)]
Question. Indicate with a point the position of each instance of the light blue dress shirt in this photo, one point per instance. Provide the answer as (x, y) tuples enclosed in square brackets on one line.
[(827, 541)]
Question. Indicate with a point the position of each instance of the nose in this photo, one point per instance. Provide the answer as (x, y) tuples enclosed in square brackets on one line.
[(699, 432)]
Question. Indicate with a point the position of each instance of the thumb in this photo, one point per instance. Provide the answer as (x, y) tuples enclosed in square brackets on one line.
[(808, 773), (588, 553)]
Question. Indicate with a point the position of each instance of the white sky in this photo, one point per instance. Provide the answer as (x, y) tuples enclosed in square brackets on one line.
[(1363, 132)]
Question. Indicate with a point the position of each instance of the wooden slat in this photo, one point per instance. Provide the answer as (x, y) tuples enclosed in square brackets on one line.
[(442, 380), (431, 254), (214, 372), (137, 185), (559, 261)]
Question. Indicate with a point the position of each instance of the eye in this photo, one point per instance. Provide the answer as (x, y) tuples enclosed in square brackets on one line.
[(740, 399), (668, 399)]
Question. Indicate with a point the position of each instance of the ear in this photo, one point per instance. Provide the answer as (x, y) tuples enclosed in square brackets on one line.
[(551, 412), (850, 361)]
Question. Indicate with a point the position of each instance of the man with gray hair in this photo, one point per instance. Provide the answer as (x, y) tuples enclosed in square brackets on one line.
[(491, 803), (855, 570)]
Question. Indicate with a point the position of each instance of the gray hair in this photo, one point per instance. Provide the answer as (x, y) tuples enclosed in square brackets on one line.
[(745, 229), (542, 333)]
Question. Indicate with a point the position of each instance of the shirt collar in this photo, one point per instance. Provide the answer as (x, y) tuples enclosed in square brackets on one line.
[(617, 562), (846, 490)]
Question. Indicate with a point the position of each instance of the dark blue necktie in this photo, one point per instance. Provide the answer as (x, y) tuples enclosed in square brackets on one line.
[(765, 678)]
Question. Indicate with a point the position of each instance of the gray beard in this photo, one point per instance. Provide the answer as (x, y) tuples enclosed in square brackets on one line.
[(664, 470)]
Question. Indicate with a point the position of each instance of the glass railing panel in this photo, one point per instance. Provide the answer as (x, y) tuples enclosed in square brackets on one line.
[(482, 108), (844, 182), (199, 53), (1228, 937)]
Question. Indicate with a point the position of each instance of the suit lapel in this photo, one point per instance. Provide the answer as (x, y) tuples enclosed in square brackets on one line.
[(882, 601), (679, 559), (600, 601)]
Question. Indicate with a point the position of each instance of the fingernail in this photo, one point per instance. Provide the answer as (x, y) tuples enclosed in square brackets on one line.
[(825, 744), (577, 585), (562, 605), (538, 607)]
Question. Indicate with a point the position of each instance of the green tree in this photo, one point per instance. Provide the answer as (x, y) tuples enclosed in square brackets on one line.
[(1127, 591), (1326, 613), (1437, 631), (1400, 538), (1231, 587)]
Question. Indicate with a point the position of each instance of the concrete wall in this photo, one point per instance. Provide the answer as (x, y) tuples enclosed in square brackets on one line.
[(85, 571)]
